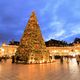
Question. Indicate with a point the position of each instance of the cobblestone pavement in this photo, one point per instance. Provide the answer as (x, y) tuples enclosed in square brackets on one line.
[(50, 71)]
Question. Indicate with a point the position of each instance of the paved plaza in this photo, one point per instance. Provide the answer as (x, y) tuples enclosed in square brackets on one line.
[(50, 71)]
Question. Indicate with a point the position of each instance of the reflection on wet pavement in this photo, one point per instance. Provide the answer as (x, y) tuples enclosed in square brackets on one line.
[(49, 71)]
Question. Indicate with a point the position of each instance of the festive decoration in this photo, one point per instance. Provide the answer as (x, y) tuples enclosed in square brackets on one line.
[(32, 47)]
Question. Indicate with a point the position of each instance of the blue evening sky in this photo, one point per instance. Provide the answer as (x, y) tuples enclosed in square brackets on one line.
[(58, 19)]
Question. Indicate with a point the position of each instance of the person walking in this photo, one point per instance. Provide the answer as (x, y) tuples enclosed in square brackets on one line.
[(78, 59)]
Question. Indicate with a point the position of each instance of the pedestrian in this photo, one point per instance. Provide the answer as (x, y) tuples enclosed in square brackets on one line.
[(61, 59), (0, 59), (67, 58), (5, 58), (13, 59), (78, 59)]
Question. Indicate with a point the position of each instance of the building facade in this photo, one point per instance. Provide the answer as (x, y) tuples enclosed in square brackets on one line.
[(69, 50), (10, 50)]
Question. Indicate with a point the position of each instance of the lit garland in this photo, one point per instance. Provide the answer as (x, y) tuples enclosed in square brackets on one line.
[(32, 44)]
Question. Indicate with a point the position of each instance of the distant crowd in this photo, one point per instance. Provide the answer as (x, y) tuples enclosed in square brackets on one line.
[(62, 58), (3, 58), (68, 58)]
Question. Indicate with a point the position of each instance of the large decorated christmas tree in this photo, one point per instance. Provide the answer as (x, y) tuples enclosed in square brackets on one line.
[(32, 48)]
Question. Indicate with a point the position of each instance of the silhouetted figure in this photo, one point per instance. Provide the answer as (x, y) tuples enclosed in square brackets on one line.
[(17, 59), (0, 59), (67, 57), (13, 59), (5, 58), (78, 59), (61, 59)]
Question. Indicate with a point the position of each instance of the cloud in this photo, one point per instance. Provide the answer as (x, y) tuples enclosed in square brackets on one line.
[(76, 29), (73, 6), (57, 30), (56, 35), (62, 30), (57, 5), (58, 19), (43, 11), (51, 6), (63, 34)]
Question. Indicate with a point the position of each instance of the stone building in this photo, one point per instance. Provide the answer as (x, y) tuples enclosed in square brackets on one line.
[(8, 50), (69, 50)]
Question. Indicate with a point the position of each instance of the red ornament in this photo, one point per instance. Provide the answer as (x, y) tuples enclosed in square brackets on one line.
[(36, 46)]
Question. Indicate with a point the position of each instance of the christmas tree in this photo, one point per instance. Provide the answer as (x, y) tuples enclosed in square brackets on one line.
[(32, 48)]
